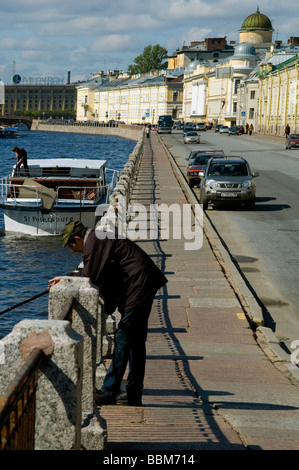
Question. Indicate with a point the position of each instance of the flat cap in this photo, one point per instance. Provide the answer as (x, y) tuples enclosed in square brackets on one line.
[(71, 229)]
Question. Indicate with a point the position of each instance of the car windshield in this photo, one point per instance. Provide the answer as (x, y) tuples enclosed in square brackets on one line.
[(201, 160), (228, 169), (191, 133), (294, 136)]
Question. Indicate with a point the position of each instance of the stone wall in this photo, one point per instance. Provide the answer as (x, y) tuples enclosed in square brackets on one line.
[(121, 130)]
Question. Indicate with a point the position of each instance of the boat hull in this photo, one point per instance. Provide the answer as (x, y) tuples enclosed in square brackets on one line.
[(34, 221)]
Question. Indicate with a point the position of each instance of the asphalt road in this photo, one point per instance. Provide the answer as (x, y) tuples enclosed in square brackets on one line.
[(264, 242)]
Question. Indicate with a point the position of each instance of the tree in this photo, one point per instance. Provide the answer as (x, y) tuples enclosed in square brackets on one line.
[(152, 58)]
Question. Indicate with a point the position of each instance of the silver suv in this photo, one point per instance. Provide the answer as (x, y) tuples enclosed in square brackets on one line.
[(228, 180)]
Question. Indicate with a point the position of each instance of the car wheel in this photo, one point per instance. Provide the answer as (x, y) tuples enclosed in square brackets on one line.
[(191, 185), (250, 205)]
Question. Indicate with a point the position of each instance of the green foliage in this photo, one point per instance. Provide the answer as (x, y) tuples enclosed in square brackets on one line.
[(54, 113), (152, 58)]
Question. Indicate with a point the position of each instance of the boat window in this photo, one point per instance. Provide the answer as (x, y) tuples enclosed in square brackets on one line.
[(56, 171), (83, 173)]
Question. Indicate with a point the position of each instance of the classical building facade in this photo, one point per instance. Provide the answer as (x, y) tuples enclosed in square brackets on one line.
[(132, 100), (278, 95), (211, 91)]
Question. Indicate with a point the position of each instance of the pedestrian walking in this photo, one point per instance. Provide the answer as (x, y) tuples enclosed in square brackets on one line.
[(287, 131), (250, 129), (127, 279), (147, 131)]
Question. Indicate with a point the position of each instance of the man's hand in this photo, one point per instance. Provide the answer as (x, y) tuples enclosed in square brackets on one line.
[(54, 281)]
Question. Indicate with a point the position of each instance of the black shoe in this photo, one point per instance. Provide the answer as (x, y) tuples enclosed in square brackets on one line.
[(102, 398), (134, 396), (134, 402), (125, 399)]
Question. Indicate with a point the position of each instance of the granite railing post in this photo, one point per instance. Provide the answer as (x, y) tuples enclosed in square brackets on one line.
[(59, 387), (86, 319)]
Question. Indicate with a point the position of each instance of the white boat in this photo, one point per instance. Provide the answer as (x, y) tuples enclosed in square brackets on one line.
[(55, 192), (9, 132)]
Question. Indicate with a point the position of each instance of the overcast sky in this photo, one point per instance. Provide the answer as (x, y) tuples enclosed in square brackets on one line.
[(49, 38)]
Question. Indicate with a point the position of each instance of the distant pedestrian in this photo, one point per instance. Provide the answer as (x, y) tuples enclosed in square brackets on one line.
[(21, 155), (147, 131), (250, 129), (246, 127), (287, 131)]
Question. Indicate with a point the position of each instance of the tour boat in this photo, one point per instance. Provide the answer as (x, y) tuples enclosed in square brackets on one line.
[(9, 132), (54, 192)]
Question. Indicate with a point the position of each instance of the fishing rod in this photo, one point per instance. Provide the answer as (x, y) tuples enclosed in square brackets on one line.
[(25, 301)]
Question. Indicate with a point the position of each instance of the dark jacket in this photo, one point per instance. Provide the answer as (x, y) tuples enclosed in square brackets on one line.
[(125, 274)]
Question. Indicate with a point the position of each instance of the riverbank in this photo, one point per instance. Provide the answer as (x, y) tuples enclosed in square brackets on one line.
[(120, 130)]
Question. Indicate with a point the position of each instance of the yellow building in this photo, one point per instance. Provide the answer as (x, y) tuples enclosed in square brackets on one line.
[(132, 100), (278, 95)]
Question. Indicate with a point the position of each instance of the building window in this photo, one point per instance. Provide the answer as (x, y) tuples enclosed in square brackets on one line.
[(237, 83), (251, 113), (252, 95)]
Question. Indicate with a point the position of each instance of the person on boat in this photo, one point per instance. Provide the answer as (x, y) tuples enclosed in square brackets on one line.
[(21, 155), (128, 279)]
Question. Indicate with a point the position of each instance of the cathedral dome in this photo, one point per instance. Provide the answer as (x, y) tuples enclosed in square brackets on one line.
[(256, 21)]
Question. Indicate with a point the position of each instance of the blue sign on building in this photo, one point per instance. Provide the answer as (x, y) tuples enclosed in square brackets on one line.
[(16, 79)]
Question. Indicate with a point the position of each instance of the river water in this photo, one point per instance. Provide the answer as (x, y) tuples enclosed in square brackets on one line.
[(27, 262)]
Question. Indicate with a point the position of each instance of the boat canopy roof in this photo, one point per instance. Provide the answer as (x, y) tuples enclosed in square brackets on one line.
[(66, 163)]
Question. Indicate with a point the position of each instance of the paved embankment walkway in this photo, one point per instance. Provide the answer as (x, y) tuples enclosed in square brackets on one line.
[(209, 385)]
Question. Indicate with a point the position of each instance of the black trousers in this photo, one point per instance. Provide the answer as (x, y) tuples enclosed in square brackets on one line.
[(129, 347)]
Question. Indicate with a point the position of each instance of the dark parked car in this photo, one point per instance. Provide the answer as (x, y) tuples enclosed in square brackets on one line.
[(196, 169), (292, 141), (217, 127), (188, 129), (233, 131), (228, 180), (196, 152)]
